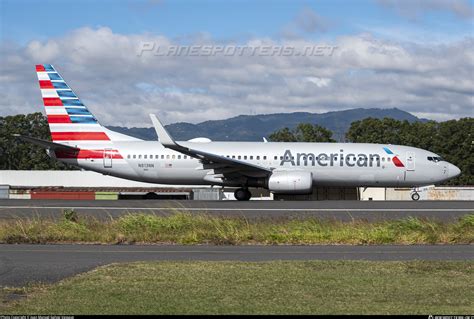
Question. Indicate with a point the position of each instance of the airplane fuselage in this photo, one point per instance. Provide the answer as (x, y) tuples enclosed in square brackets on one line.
[(331, 164)]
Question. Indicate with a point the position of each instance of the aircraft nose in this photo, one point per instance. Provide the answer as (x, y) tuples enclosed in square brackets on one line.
[(454, 171)]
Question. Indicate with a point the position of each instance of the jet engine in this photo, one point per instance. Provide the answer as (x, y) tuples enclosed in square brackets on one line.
[(291, 182)]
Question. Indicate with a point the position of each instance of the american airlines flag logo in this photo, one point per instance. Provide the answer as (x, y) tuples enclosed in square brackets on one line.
[(395, 159)]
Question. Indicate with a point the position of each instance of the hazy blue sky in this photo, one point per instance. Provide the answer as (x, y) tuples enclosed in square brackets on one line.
[(233, 19)]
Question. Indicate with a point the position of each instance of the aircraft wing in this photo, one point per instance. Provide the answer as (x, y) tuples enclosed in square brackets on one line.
[(210, 160), (46, 144)]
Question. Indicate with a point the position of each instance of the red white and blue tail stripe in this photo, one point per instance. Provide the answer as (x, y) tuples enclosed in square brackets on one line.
[(70, 122), (69, 119), (61, 103)]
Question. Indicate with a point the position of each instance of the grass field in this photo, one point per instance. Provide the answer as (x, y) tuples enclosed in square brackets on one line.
[(282, 287), (186, 228)]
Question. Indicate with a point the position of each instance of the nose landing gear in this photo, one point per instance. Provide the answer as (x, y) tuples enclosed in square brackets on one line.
[(242, 194)]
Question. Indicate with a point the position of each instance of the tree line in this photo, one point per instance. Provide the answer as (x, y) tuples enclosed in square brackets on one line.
[(19, 155), (453, 140)]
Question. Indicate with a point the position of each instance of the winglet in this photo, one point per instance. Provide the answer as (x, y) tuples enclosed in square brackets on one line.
[(265, 140), (163, 135)]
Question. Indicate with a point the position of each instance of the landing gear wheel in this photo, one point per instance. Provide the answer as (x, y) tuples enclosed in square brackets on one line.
[(415, 196), (242, 194)]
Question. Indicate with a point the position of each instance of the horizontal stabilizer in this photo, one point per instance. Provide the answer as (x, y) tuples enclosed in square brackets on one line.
[(46, 144)]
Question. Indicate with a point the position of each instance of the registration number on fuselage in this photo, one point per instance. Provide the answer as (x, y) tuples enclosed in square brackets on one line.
[(146, 165)]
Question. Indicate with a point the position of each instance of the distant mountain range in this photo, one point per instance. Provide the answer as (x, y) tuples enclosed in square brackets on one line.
[(254, 127)]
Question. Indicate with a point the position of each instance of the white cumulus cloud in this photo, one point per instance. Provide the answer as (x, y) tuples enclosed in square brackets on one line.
[(121, 87)]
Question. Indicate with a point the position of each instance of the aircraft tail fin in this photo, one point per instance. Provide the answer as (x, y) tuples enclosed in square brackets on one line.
[(70, 122)]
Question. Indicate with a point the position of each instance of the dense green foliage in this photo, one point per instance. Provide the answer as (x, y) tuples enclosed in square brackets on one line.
[(18, 155), (304, 132), (453, 139)]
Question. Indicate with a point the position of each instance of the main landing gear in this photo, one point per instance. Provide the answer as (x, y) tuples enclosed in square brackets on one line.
[(242, 194), (414, 195)]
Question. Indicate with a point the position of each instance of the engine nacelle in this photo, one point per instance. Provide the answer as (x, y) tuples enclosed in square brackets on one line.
[(291, 182)]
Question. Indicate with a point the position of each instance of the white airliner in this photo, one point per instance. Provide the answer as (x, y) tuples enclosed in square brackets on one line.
[(284, 168)]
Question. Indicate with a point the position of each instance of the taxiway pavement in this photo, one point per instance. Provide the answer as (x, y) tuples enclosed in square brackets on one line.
[(340, 210), (21, 264)]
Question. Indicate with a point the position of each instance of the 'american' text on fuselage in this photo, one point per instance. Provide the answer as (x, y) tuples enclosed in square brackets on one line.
[(333, 159)]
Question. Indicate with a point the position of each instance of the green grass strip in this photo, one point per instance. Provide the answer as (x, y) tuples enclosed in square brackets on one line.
[(185, 228), (278, 287)]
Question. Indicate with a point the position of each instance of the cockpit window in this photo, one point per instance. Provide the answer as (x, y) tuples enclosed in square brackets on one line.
[(435, 159)]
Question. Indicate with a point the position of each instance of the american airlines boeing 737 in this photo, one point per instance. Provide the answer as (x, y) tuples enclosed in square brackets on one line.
[(285, 168)]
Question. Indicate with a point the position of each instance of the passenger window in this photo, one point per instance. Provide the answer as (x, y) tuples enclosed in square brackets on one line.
[(173, 156), (251, 157), (179, 156), (258, 157), (168, 156), (140, 156), (162, 156), (185, 156), (239, 157), (265, 157), (275, 157), (128, 156), (134, 156), (245, 157), (233, 156), (144, 156)]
